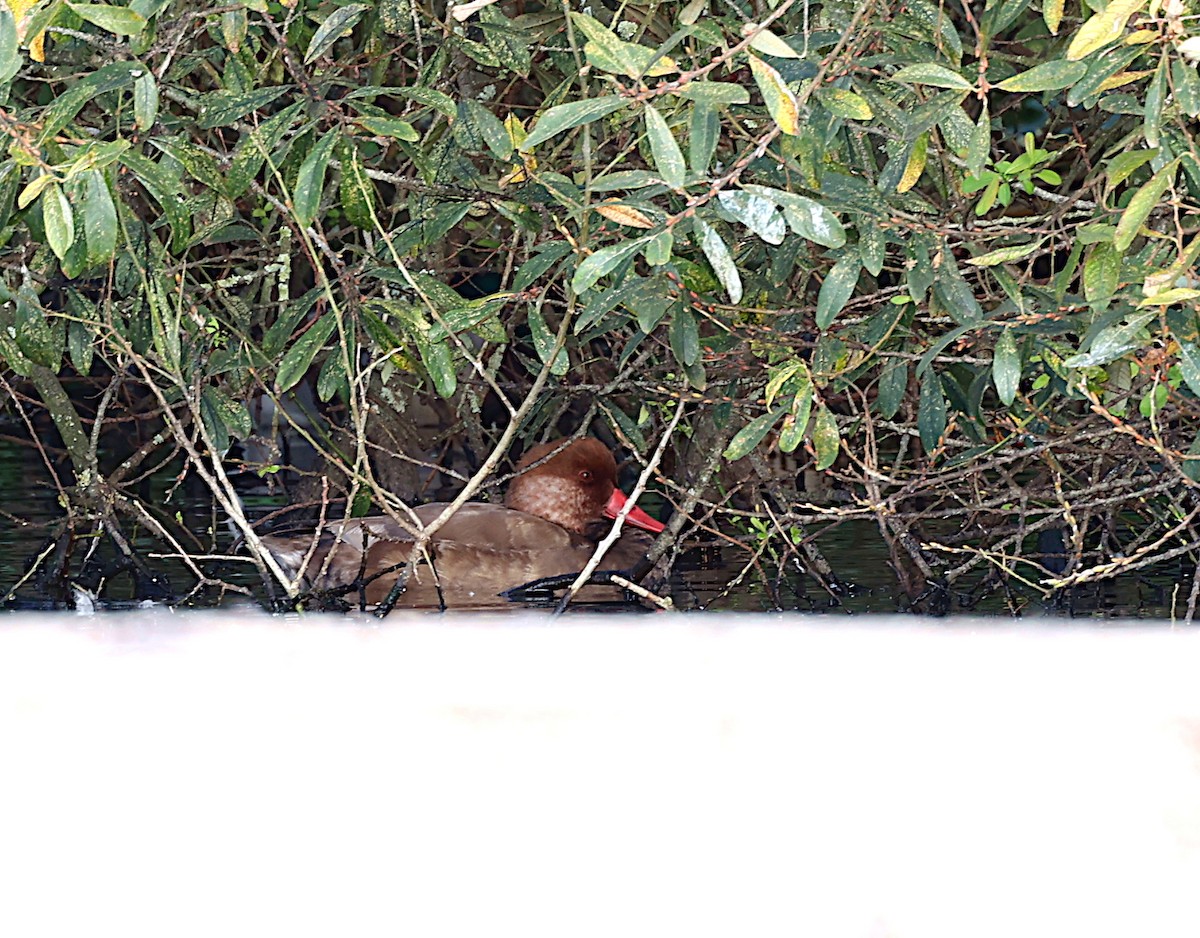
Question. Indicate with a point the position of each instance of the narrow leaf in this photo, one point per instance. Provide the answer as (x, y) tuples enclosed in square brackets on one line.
[(668, 158), (59, 220), (573, 114), (1048, 76), (927, 73), (336, 25), (931, 411), (1103, 27), (1143, 203), (843, 103), (825, 438), (145, 101), (1006, 367), (600, 262), (120, 21), (310, 181), (756, 213), (751, 435), (99, 220), (781, 103), (300, 355), (1004, 255), (721, 260), (836, 290)]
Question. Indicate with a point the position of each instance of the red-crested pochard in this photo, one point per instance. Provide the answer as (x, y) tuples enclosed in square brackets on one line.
[(554, 513)]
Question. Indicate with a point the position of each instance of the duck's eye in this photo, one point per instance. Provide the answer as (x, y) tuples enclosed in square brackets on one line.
[(585, 475)]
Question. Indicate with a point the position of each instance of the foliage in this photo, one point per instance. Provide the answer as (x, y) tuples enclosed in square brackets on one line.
[(769, 209)]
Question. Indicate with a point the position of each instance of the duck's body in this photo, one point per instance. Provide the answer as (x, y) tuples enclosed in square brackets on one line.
[(552, 517)]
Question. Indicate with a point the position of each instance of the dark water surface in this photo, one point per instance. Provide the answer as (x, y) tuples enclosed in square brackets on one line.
[(30, 514)]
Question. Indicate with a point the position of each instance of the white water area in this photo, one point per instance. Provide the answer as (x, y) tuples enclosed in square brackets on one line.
[(229, 774)]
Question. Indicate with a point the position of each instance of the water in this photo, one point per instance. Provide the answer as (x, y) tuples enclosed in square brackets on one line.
[(31, 514)]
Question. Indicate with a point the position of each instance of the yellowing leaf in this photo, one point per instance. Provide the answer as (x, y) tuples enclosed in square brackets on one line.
[(768, 43), (1122, 78), (915, 165), (781, 103), (1104, 27), (1052, 11), (624, 214)]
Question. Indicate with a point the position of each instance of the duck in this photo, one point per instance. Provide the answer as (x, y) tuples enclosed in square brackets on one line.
[(557, 508)]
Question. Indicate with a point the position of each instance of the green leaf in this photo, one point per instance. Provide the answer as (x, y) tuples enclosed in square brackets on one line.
[(1101, 273), (120, 21), (336, 25), (145, 101), (38, 336), (658, 248), (981, 143), (609, 53), (1006, 367), (825, 438), (164, 188), (59, 220), (781, 103), (489, 127), (600, 262), (357, 191), (10, 55), (99, 220), (807, 217), (1112, 342), (573, 114), (299, 357), (1052, 11), (1156, 95), (842, 103), (927, 73), (758, 214), (668, 158), (310, 181), (1173, 297), (543, 342), (222, 108), (1143, 203), (67, 105), (1049, 76), (751, 435), (1104, 27), (1189, 365), (893, 383), (704, 130), (837, 289), (439, 362), (796, 422), (931, 411), (1004, 255), (1124, 165), (685, 337), (721, 260), (716, 93), (766, 42), (392, 127)]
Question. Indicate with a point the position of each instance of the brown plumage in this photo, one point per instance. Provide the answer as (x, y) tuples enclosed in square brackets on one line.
[(553, 514)]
